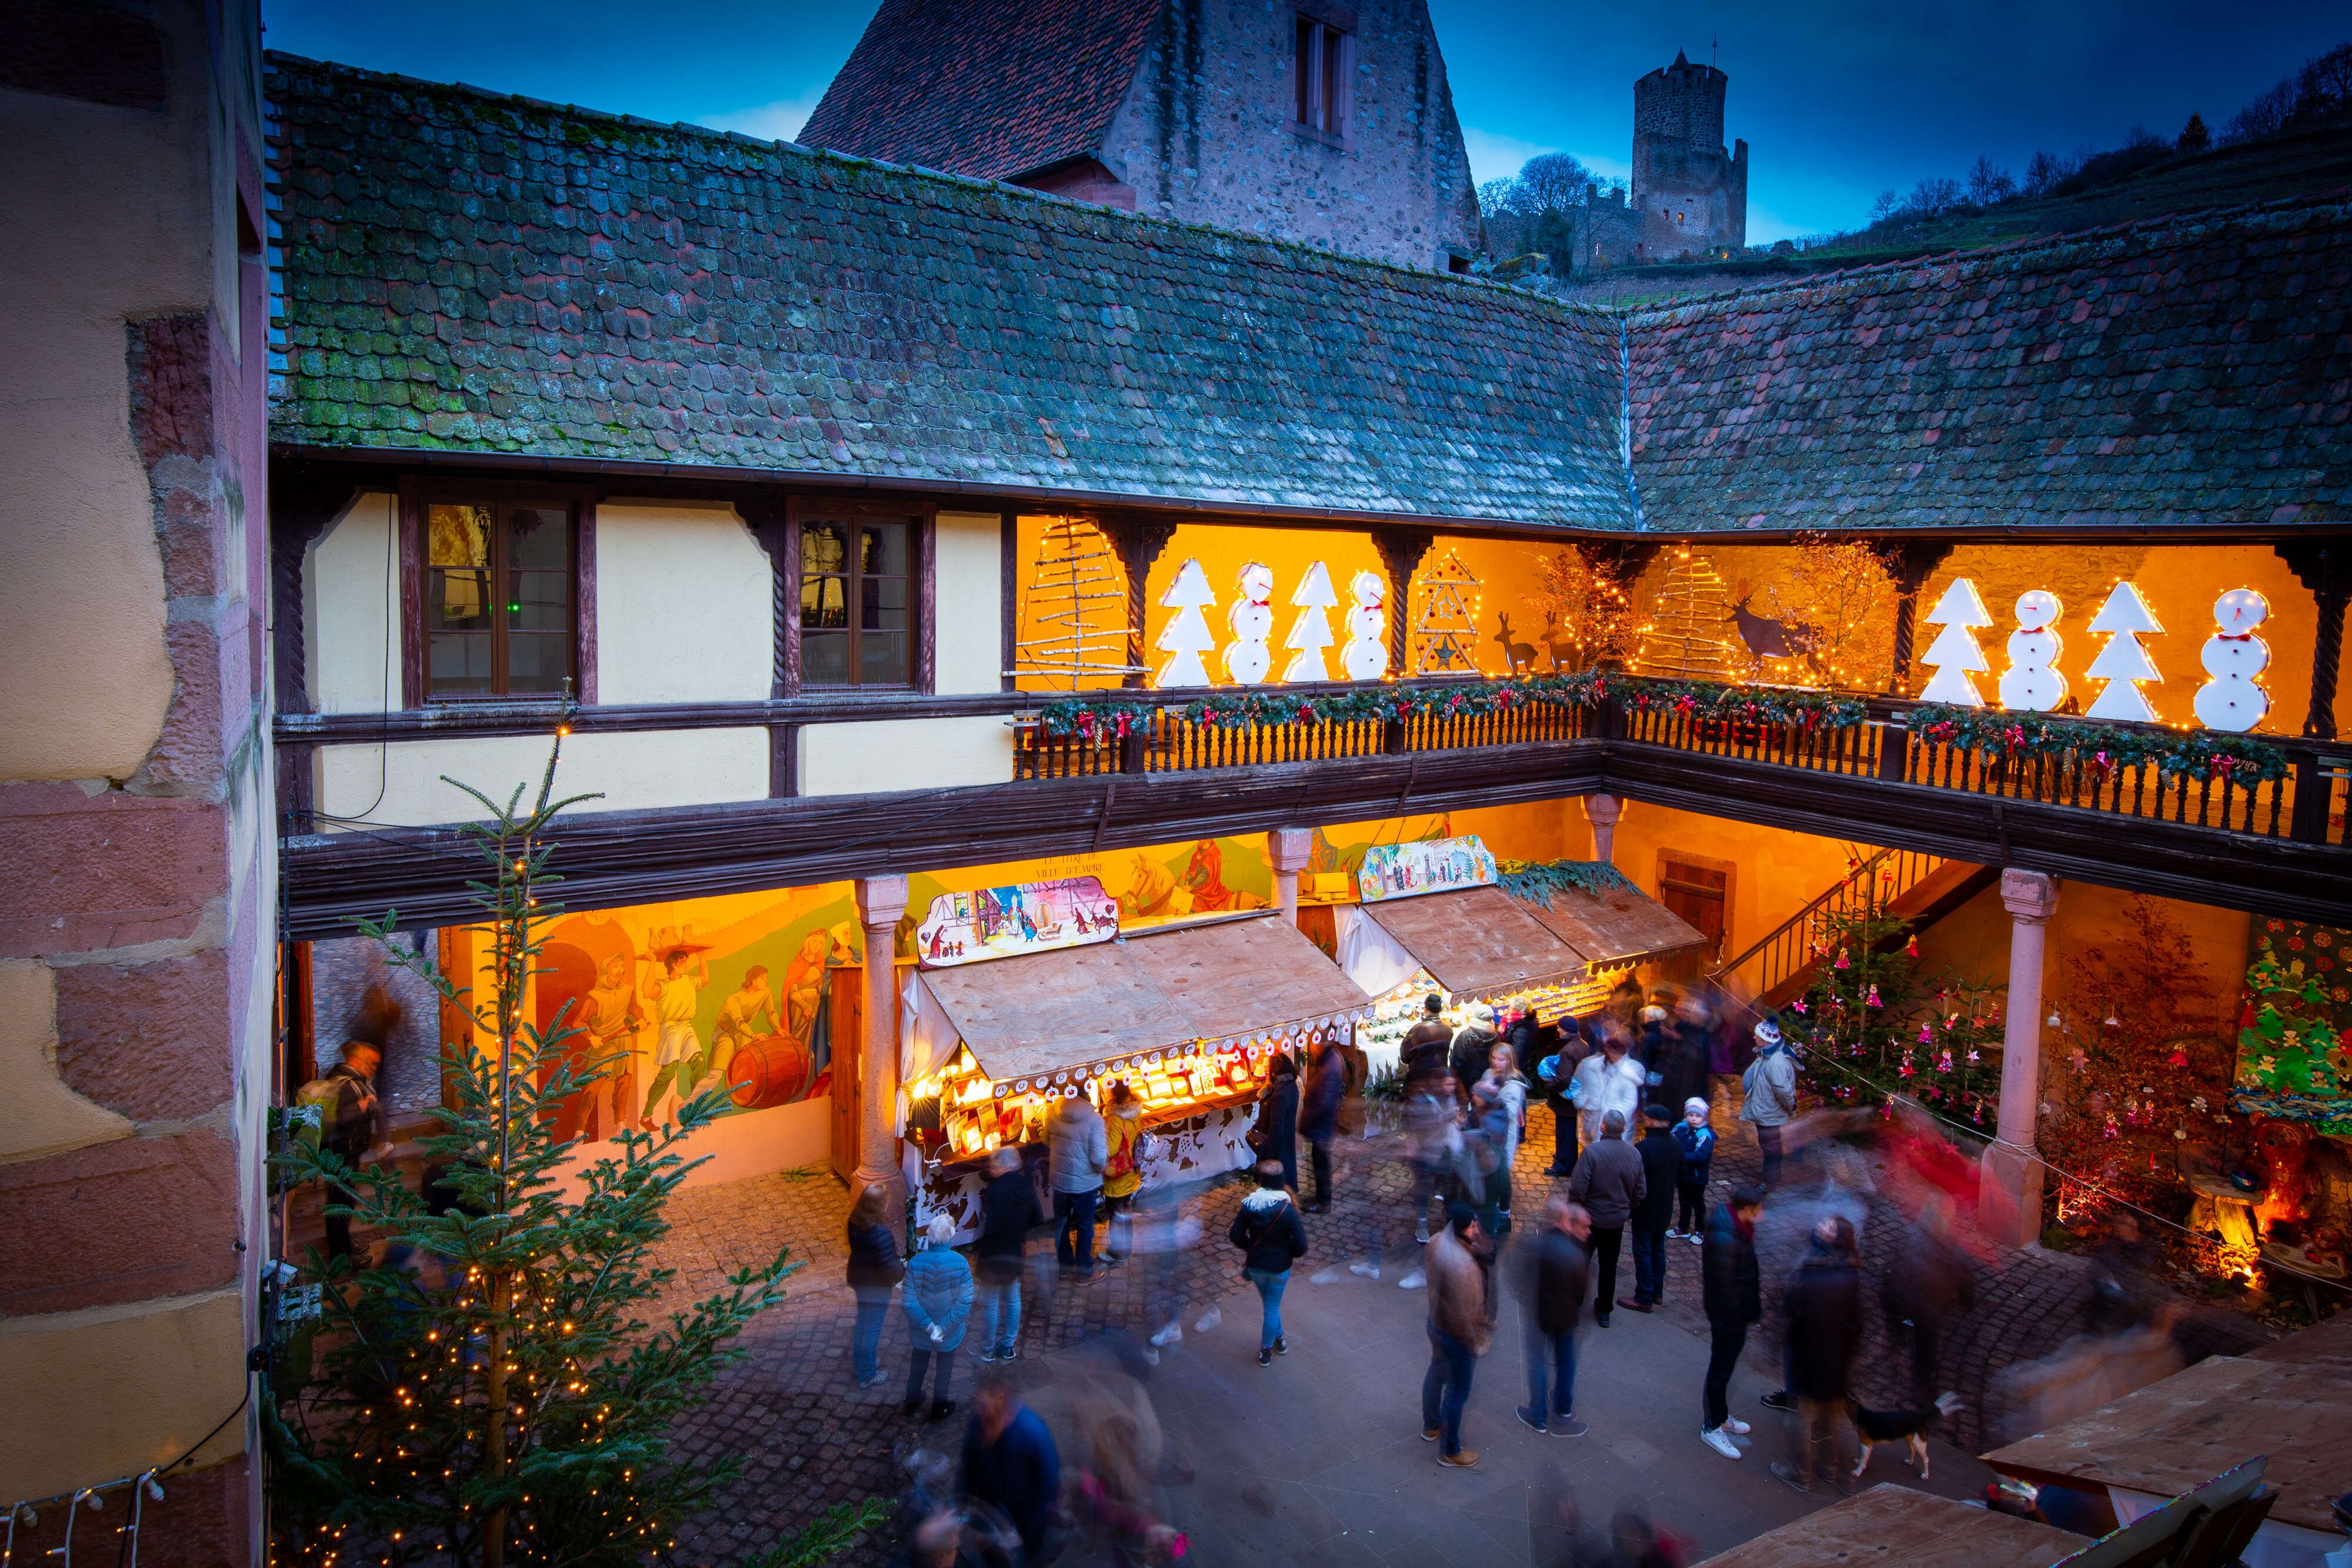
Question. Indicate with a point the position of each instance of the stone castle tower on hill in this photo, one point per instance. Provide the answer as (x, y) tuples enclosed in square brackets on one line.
[(1691, 195)]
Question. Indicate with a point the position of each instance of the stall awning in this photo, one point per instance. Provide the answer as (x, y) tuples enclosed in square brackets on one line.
[(1044, 1012), (1617, 926), (1482, 939)]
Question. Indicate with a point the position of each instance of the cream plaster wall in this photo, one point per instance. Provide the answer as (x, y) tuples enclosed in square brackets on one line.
[(967, 648), (44, 1116), (119, 1390), (350, 592), (1778, 871), (400, 785), (905, 754), (685, 603)]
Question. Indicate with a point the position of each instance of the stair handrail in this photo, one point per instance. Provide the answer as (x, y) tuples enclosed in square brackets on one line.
[(1864, 877), (1868, 867)]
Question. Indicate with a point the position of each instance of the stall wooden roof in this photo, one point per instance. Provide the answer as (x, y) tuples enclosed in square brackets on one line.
[(1616, 926), (2175, 1435), (1894, 1524), (1043, 1012), (1478, 939), (2328, 1343)]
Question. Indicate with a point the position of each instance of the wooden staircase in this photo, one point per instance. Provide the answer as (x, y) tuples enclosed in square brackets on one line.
[(1892, 885)]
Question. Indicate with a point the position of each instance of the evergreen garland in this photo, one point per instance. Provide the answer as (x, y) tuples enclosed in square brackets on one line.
[(2203, 753), (1535, 881)]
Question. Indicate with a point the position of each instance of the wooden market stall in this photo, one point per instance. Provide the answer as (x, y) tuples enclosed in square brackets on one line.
[(1903, 1529), (1188, 1014)]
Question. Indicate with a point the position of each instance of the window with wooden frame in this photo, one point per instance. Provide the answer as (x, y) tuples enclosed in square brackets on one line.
[(1322, 72), (862, 614), (496, 594)]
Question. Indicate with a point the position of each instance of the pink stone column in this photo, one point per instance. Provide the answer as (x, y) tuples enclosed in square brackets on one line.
[(880, 901), (1602, 812), (2009, 1181), (1287, 850)]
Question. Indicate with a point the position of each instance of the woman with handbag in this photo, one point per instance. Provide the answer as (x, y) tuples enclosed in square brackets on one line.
[(1272, 1237), (875, 1270), (1122, 1171), (1275, 1135)]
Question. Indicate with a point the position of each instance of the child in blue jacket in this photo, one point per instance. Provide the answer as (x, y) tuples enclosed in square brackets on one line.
[(1697, 1141)]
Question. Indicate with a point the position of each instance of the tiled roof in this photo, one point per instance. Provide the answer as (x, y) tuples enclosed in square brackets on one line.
[(492, 274), (991, 89), (2192, 370)]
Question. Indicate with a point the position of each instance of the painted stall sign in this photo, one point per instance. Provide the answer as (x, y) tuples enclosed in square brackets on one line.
[(1426, 866), (1000, 922)]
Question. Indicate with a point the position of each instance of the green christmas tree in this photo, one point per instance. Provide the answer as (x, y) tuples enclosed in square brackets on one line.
[(489, 1391), (1870, 1025)]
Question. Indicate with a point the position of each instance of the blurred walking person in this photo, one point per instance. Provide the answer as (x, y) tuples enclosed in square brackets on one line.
[(1824, 1310), (875, 1270), (1275, 1135), (1432, 1138), (1662, 1164), (1770, 1088), (1932, 1281), (1609, 1181), (1080, 1148), (1553, 1270), (1319, 1113), (1272, 1237), (1009, 1463), (1500, 1104), (1609, 1079), (1008, 1212), (1459, 1332), (1733, 1291)]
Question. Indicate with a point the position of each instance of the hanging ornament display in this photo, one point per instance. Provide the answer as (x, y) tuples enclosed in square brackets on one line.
[(2032, 682), (1685, 639), (1187, 637), (1310, 632), (1954, 654), (1250, 619), (1446, 639), (1078, 605), (2235, 656), (1365, 655), (2123, 663)]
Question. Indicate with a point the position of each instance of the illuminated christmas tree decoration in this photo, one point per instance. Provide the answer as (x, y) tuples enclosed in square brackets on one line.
[(1684, 639), (1446, 640), (1310, 633), (2032, 682), (1954, 653), (2235, 656), (2123, 663)]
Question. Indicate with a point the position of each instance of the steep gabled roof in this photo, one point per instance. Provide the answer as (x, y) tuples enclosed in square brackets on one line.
[(492, 274), (2190, 371), (991, 89)]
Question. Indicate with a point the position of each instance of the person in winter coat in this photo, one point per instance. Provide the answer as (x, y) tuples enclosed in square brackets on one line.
[(1009, 1463), (1556, 1076), (1008, 1212), (1695, 1139), (353, 1123), (1553, 1270), (1499, 1102), (1272, 1237), (1472, 1043), (1275, 1135), (1459, 1332), (1122, 1171), (937, 1304), (1609, 1181), (1823, 1305), (874, 1270), (1932, 1282), (1734, 1297), (1662, 1161), (1771, 1085), (1609, 1079), (1080, 1149), (1688, 1073), (1319, 1113), (1427, 1041)]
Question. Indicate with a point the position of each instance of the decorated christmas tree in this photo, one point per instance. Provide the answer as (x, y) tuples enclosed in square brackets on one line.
[(1870, 1027), (1310, 632), (2122, 663), (1446, 639), (1186, 638), (1076, 607), (1954, 654), (1687, 637)]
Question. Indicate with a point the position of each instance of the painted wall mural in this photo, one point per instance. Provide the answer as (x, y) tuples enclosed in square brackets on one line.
[(2294, 1025)]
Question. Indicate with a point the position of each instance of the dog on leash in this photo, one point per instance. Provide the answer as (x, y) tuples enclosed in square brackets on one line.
[(1909, 1427)]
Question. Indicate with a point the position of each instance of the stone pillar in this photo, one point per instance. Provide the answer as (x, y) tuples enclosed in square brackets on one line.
[(1602, 812), (1286, 850), (2010, 1182), (880, 901)]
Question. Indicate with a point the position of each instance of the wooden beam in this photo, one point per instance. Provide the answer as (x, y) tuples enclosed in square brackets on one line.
[(1915, 561), (1137, 542), (2324, 567), (1402, 551)]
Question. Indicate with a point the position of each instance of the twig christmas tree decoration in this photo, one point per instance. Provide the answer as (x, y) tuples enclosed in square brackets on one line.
[(1446, 639), (2123, 663), (1186, 638), (1954, 653), (2032, 682), (1310, 632), (1366, 656), (1077, 602), (2235, 656), (1247, 658), (1685, 639)]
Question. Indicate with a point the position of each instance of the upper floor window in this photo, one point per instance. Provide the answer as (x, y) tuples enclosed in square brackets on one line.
[(1321, 72), (500, 602), (856, 622)]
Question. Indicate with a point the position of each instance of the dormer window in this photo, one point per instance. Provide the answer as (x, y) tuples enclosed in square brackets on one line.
[(1322, 71)]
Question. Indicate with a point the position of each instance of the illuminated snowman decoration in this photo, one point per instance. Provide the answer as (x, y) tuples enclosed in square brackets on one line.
[(2235, 656), (2032, 684), (1247, 656), (1365, 655)]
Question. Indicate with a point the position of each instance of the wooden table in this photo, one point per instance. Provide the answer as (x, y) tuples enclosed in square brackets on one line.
[(2172, 1436), (1891, 1523), (2329, 1344)]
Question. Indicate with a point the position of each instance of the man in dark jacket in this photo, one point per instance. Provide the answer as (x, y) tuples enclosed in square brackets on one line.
[(1662, 1160), (1426, 1041), (1474, 1045), (1318, 1116), (1574, 1046), (1824, 1310), (1609, 1181), (1552, 1274), (1008, 1211), (1009, 1463), (1734, 1297)]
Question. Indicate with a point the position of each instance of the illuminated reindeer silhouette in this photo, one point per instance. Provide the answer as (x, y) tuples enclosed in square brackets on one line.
[(1769, 639), (1520, 656)]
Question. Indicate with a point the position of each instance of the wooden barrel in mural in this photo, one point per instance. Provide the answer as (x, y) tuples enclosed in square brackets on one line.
[(773, 1069)]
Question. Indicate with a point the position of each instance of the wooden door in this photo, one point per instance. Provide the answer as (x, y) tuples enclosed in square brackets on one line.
[(845, 1012), (1699, 891)]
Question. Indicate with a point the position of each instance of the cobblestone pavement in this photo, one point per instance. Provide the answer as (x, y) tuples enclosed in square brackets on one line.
[(808, 1437)]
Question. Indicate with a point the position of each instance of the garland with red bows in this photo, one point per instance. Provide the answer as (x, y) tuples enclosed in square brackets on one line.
[(2105, 747)]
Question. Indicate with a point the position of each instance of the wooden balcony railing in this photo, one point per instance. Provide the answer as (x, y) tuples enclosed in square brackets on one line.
[(1161, 740)]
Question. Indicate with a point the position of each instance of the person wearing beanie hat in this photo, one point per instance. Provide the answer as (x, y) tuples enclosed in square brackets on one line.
[(1695, 1139), (1770, 1088)]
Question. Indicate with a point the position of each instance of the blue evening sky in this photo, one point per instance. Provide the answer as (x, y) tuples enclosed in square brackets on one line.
[(1838, 100)]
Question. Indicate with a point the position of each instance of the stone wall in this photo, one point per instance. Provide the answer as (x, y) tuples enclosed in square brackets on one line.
[(1206, 134)]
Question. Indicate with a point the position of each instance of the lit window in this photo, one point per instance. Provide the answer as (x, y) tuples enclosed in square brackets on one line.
[(498, 597), (855, 609)]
